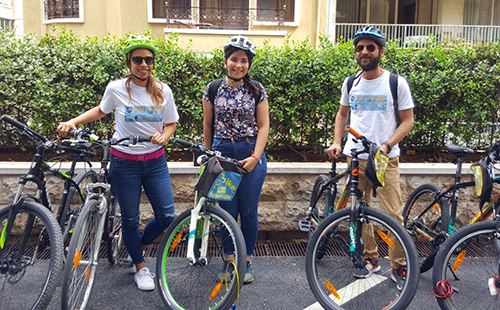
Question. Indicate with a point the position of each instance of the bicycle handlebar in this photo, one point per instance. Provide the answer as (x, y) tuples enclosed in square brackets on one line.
[(25, 130), (353, 132)]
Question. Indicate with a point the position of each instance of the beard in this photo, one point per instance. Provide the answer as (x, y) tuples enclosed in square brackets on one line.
[(372, 64)]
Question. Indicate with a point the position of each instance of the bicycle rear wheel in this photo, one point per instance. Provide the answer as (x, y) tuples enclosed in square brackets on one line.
[(28, 280), (183, 285), (321, 204), (81, 263), (467, 260), (433, 222), (331, 278)]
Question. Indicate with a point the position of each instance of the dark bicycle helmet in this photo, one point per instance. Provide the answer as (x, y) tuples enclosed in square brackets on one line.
[(242, 43), (370, 33), (376, 166)]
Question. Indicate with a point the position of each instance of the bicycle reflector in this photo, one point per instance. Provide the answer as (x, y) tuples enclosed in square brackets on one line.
[(376, 166)]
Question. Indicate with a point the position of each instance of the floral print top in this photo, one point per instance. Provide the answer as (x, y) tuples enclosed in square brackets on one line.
[(235, 111)]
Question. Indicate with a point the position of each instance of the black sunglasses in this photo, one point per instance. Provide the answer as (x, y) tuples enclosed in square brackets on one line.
[(138, 60), (371, 48)]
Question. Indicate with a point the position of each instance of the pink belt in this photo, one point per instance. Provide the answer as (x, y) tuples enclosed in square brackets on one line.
[(141, 157)]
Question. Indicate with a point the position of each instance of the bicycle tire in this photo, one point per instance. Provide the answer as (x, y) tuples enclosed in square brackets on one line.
[(39, 278), (478, 265), (114, 230), (435, 221), (320, 205), (336, 267), (74, 204), (185, 286), (81, 262)]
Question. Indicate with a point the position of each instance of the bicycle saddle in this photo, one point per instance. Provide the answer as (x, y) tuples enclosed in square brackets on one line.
[(458, 150)]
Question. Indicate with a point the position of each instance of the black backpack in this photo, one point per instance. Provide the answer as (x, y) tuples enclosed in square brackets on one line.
[(393, 84)]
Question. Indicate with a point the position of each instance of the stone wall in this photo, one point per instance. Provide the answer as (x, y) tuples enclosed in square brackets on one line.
[(285, 195)]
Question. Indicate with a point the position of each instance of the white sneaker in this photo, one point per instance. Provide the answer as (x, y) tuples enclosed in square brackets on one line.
[(144, 279)]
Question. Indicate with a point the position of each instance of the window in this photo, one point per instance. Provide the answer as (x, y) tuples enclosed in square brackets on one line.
[(6, 23), (366, 11), (63, 9), (482, 12), (272, 10), (176, 9), (224, 14)]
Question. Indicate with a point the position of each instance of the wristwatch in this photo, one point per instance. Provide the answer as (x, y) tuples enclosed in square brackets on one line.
[(389, 148)]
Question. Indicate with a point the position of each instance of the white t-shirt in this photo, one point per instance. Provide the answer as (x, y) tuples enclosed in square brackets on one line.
[(138, 116), (372, 110)]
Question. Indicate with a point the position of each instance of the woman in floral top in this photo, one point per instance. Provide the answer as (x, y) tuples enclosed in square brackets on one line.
[(237, 125)]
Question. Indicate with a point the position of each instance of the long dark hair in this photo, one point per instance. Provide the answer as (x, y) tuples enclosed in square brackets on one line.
[(246, 79)]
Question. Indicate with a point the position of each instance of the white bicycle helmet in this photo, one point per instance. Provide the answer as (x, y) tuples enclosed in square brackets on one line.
[(242, 43)]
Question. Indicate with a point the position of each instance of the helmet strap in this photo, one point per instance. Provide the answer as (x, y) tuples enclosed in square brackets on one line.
[(142, 80), (235, 80)]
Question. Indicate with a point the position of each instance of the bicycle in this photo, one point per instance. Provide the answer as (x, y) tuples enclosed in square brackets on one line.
[(191, 251), (31, 240), (429, 213), (467, 267), (341, 234), (324, 200), (99, 219)]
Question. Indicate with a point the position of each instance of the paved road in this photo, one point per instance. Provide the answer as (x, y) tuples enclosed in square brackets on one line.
[(280, 283)]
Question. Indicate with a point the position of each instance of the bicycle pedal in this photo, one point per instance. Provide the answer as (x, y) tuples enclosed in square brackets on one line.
[(305, 225), (493, 286)]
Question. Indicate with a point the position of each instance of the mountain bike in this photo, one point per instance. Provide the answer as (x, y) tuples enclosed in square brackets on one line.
[(467, 266), (191, 251), (430, 212), (31, 240), (331, 278), (99, 219), (324, 199)]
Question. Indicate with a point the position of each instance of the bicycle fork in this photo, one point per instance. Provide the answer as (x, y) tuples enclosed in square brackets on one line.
[(194, 234)]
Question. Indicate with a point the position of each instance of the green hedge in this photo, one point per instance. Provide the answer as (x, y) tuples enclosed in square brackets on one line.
[(46, 79)]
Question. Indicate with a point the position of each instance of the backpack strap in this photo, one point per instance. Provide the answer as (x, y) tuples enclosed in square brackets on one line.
[(350, 81), (393, 83), (212, 90)]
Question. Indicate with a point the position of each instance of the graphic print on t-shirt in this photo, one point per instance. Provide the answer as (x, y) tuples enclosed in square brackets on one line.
[(144, 114), (368, 102)]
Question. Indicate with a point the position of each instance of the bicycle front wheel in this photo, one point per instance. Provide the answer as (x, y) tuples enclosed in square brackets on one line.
[(332, 278), (422, 215), (468, 260), (81, 262), (183, 285), (114, 225), (28, 278)]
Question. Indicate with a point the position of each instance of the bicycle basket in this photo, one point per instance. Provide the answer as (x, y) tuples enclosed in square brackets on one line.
[(376, 166), (482, 179), (219, 179)]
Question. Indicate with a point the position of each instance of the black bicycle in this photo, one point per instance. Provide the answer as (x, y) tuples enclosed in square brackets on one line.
[(336, 251), (31, 241), (430, 212), (466, 271)]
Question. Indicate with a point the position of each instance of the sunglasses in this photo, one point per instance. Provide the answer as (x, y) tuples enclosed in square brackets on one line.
[(138, 60), (371, 48)]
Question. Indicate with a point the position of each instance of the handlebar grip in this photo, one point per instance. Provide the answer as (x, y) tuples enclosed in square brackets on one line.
[(184, 143), (22, 127), (143, 139), (353, 132)]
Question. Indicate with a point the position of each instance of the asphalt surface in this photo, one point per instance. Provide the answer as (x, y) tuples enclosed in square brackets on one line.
[(280, 283)]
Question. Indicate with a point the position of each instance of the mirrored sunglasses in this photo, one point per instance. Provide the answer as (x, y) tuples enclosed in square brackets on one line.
[(371, 48)]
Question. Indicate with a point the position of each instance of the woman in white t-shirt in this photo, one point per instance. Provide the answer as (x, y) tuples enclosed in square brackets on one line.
[(143, 106)]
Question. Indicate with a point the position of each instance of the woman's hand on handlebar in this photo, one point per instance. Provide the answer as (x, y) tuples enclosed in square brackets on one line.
[(64, 127), (249, 164), (334, 151), (159, 139)]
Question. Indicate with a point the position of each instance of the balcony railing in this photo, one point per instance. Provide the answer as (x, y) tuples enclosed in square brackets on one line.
[(61, 9), (222, 18), (421, 35)]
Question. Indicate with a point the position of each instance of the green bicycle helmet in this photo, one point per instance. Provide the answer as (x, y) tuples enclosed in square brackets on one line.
[(369, 33), (139, 41)]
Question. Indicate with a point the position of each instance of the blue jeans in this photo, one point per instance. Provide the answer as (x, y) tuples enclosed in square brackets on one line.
[(127, 177), (246, 200)]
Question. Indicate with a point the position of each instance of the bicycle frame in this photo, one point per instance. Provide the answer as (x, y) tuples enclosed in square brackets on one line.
[(193, 228)]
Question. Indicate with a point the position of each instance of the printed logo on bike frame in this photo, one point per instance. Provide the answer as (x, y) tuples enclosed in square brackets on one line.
[(368, 102), (144, 114)]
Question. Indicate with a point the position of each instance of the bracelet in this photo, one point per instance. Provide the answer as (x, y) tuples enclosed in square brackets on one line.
[(389, 148), (254, 157)]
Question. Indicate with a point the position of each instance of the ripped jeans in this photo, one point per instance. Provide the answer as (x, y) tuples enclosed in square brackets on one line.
[(127, 177)]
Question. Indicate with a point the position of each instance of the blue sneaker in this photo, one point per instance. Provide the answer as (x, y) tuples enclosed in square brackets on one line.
[(249, 274), (229, 267)]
